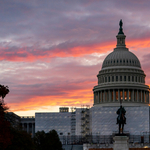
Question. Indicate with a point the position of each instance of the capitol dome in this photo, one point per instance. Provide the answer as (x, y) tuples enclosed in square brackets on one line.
[(121, 79), (121, 57)]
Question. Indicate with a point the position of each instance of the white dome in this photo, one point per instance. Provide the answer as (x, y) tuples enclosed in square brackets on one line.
[(121, 78), (121, 57)]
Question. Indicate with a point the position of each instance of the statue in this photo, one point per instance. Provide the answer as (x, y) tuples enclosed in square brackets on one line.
[(121, 119), (121, 23), (121, 29)]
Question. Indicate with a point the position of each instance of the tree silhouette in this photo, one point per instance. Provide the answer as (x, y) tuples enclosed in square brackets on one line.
[(5, 135), (47, 141)]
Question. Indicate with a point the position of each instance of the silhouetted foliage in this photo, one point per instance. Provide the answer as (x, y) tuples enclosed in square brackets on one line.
[(11, 138), (21, 141), (47, 141), (4, 90), (5, 135)]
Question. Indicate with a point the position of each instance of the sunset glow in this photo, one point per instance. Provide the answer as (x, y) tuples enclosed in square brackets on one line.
[(52, 51)]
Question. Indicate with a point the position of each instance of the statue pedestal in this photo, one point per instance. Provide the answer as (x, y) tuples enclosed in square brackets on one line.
[(120, 143)]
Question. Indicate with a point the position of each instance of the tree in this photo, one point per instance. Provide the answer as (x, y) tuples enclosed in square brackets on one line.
[(21, 141), (39, 140), (11, 138), (47, 141), (5, 135), (53, 140)]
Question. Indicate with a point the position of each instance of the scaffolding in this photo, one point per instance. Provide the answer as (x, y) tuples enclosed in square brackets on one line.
[(73, 121), (85, 121)]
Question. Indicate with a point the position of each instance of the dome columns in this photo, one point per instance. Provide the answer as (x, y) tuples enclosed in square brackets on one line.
[(124, 95)]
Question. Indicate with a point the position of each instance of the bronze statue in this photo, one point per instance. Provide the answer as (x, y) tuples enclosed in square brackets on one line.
[(121, 29), (121, 119)]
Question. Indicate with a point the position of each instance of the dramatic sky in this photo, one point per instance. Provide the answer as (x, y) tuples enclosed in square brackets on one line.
[(52, 50)]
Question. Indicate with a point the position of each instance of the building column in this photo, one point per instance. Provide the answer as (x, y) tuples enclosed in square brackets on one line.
[(98, 97), (128, 95), (133, 96), (101, 96), (147, 97), (94, 98), (114, 95), (123, 95), (32, 130), (22, 126), (137, 95), (144, 96), (104, 95), (109, 96), (118, 95), (141, 96), (27, 127)]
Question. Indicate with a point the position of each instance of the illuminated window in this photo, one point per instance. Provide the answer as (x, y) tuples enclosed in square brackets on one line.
[(129, 95), (121, 95), (125, 95)]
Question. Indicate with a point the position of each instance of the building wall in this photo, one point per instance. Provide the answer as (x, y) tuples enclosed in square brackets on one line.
[(28, 124), (104, 120), (61, 122), (78, 121)]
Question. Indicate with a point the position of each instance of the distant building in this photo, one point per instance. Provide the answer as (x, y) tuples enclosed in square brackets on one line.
[(13, 119), (28, 124)]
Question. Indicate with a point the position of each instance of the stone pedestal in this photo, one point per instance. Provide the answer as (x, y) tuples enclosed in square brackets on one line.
[(120, 143)]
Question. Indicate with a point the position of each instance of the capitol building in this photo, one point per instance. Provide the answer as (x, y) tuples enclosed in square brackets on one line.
[(121, 81)]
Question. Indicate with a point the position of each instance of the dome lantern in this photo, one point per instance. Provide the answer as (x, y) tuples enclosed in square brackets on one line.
[(120, 37)]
